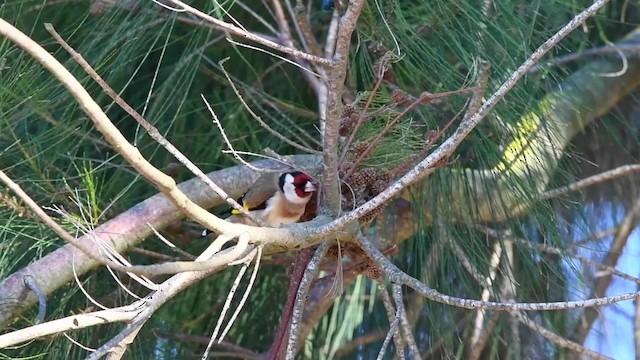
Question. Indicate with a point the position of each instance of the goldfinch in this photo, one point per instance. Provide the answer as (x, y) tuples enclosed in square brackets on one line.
[(276, 199)]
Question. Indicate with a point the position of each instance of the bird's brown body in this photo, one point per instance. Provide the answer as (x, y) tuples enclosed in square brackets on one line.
[(276, 199), (276, 213)]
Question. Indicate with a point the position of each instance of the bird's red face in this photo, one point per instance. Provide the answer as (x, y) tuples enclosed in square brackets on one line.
[(297, 186), (303, 184)]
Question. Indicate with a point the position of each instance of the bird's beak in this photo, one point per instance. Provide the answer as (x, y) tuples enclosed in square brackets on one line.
[(310, 187)]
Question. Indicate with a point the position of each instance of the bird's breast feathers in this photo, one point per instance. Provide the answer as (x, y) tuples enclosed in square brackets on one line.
[(280, 212)]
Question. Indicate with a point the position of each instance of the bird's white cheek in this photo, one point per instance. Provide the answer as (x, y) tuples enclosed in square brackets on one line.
[(292, 197)]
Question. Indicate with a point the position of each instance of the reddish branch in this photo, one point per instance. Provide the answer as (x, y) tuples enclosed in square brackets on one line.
[(279, 344)]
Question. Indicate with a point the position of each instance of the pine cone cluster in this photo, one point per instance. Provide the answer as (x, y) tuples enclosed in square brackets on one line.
[(362, 186)]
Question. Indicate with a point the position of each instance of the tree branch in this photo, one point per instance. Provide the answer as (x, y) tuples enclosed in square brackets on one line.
[(398, 276), (231, 29), (335, 85)]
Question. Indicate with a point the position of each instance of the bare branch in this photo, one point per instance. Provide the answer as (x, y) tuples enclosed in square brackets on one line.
[(592, 180), (301, 298), (74, 322), (404, 322), (392, 331), (249, 36), (394, 318), (609, 50), (398, 276), (335, 85)]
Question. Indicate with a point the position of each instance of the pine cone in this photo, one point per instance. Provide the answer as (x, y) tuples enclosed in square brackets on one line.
[(358, 181), (358, 148), (348, 111), (386, 176), (372, 271), (399, 97), (379, 186), (347, 123), (369, 175)]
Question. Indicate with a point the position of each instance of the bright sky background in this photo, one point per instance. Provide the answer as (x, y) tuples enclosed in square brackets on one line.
[(612, 333)]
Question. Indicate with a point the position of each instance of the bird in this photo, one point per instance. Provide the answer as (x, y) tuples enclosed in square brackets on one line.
[(275, 198)]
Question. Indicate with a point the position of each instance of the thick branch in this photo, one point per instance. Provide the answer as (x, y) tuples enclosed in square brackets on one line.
[(335, 84)]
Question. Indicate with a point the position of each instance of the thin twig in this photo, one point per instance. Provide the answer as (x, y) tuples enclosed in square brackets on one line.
[(392, 331), (305, 32), (630, 49), (259, 119), (394, 317), (226, 306), (54, 225), (404, 322), (257, 16), (245, 296), (167, 290), (398, 276), (249, 36), (217, 122), (171, 245), (592, 180)]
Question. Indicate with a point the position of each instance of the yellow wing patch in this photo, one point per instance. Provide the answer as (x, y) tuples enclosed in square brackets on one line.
[(236, 212)]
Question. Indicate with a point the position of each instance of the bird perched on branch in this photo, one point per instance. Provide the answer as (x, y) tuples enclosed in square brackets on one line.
[(276, 199)]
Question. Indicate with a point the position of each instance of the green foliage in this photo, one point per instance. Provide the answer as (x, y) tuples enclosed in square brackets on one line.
[(161, 64)]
